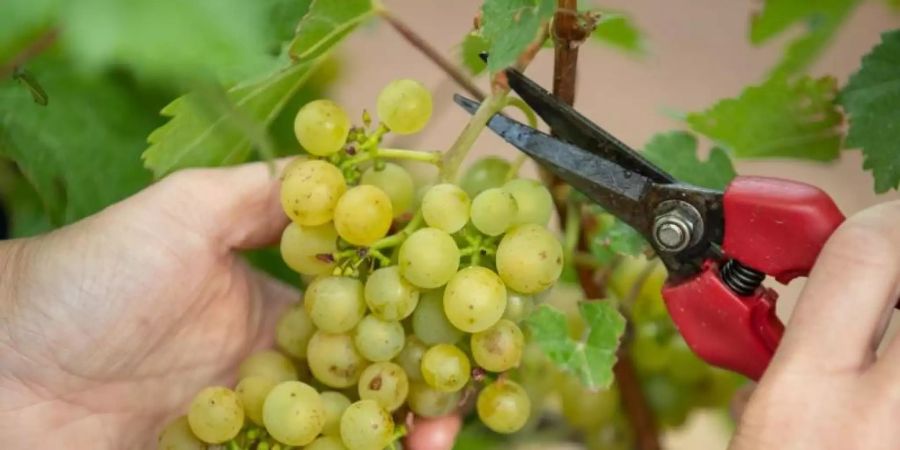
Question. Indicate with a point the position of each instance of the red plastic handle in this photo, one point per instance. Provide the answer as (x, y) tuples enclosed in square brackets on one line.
[(775, 226)]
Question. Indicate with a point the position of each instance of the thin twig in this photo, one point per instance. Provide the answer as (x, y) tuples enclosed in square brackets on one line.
[(568, 35), (37, 46), (431, 53)]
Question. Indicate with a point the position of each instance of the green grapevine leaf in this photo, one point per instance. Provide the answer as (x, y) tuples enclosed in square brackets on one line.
[(79, 157), (590, 358), (470, 52), (22, 23), (510, 25), (676, 152), (198, 136), (326, 24), (22, 203), (619, 31), (796, 119), (821, 18), (615, 238), (166, 38), (870, 99)]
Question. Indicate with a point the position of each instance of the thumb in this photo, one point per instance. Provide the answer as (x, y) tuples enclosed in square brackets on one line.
[(237, 207)]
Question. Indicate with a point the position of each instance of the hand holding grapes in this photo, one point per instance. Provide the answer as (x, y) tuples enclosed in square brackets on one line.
[(826, 386)]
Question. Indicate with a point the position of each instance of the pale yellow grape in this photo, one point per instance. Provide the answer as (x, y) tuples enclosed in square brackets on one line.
[(446, 207), (535, 205), (404, 106), (294, 413), (293, 331), (428, 258), (446, 368), (389, 296), (326, 443), (321, 127), (302, 248), (178, 436), (270, 364), (334, 360), (518, 306), (310, 192), (499, 348), (493, 211), (379, 340), (363, 215), (396, 182), (335, 403), (253, 391), (365, 425), (386, 383), (474, 299), (503, 406), (335, 304), (529, 259), (216, 415), (429, 322), (410, 358), (427, 401)]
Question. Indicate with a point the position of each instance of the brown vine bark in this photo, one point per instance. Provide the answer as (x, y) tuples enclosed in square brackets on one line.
[(568, 34)]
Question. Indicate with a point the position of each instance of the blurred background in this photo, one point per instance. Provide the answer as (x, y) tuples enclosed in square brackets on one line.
[(697, 52)]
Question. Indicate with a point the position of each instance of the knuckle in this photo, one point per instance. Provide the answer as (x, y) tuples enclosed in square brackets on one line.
[(869, 239)]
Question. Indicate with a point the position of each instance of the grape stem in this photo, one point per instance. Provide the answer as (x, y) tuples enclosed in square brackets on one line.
[(399, 433), (431, 157), (454, 157)]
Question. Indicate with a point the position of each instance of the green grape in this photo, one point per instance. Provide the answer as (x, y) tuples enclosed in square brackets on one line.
[(429, 322), (294, 413), (668, 400), (386, 383), (535, 205), (410, 358), (335, 404), (404, 106), (586, 409), (486, 173), (474, 299), (379, 340), (293, 331), (428, 258), (321, 127), (446, 368), (363, 215), (389, 295), (252, 392), (396, 182), (651, 347), (427, 401), (649, 305), (310, 192), (499, 348), (518, 306), (365, 425), (270, 364), (335, 304), (301, 247), (178, 436), (529, 259), (503, 406), (684, 366), (446, 207), (334, 360), (493, 211), (326, 443), (216, 415)]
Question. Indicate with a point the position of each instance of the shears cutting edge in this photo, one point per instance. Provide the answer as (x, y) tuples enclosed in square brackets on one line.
[(718, 247)]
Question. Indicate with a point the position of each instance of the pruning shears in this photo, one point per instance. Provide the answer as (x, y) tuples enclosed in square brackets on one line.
[(718, 246)]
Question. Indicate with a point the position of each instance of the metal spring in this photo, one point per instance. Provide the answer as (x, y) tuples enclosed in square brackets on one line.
[(741, 279)]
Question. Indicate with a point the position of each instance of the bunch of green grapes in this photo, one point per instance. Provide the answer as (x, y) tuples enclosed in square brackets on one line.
[(413, 306)]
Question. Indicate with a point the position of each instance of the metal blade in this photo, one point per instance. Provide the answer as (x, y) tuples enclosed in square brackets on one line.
[(618, 190), (570, 126)]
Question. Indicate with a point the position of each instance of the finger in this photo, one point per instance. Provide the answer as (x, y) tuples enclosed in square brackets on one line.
[(434, 434), (740, 400), (271, 298), (238, 206), (887, 368), (843, 310)]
